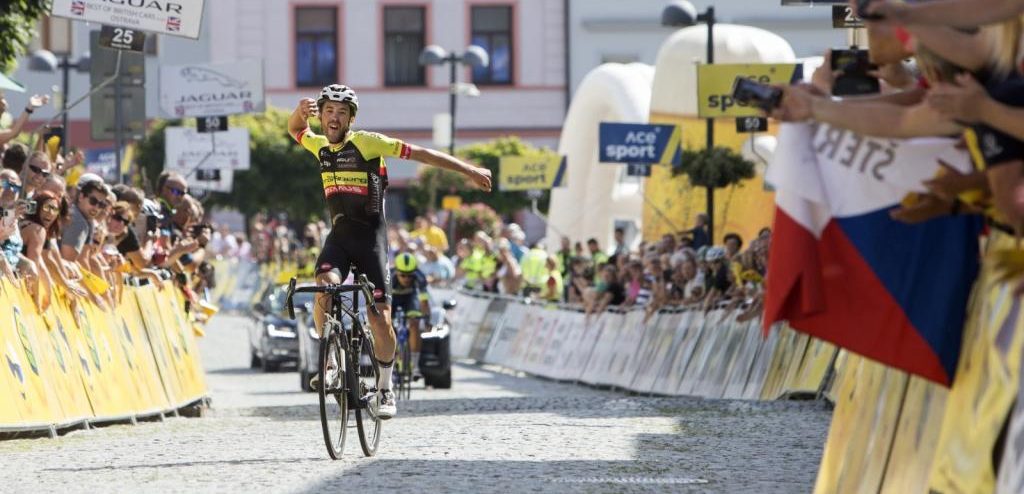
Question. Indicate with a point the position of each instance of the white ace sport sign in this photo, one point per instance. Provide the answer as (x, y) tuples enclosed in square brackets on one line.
[(212, 89), (173, 17)]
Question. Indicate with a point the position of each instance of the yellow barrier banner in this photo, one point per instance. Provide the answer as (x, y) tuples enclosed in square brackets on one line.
[(917, 436), (863, 424), (531, 172), (22, 354), (985, 386)]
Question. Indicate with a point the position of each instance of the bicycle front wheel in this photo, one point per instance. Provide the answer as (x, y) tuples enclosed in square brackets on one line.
[(367, 421), (333, 398), (403, 368)]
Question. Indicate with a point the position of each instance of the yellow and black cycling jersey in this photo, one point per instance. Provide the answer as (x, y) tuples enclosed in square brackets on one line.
[(354, 173)]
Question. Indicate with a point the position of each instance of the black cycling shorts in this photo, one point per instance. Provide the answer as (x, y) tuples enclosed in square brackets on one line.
[(362, 247)]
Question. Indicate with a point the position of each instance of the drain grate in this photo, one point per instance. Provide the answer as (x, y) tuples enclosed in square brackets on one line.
[(630, 480)]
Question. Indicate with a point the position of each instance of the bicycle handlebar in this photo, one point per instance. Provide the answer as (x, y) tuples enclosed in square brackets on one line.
[(363, 284)]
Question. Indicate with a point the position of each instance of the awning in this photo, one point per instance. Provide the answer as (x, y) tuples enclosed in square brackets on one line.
[(8, 84)]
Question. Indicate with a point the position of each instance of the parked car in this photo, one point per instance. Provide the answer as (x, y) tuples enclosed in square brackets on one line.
[(273, 337)]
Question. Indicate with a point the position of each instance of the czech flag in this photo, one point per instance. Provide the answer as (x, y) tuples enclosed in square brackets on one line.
[(842, 270)]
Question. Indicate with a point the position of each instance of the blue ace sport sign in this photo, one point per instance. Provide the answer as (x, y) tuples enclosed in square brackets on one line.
[(639, 143)]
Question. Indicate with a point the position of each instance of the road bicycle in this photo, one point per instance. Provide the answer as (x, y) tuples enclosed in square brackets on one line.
[(348, 366), (402, 376)]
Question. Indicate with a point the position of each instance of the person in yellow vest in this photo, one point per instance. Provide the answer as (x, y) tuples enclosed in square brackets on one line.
[(432, 234), (597, 257), (535, 272), (555, 285), (479, 267)]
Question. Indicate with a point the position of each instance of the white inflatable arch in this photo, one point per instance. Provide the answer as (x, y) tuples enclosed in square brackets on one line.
[(595, 196)]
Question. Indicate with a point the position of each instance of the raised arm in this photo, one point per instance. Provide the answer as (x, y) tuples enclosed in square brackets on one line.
[(480, 176), (297, 122), (34, 102)]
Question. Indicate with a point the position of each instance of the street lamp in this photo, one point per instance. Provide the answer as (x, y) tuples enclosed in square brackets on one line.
[(681, 13), (474, 56), (46, 61)]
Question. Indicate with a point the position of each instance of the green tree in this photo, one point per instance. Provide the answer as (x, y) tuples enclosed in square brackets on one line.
[(719, 167), (472, 218), (434, 182), (18, 23), (283, 176)]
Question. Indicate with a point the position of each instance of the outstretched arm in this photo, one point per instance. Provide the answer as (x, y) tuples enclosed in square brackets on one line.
[(959, 13), (480, 176)]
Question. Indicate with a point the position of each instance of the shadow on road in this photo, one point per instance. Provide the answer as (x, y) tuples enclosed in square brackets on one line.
[(184, 464)]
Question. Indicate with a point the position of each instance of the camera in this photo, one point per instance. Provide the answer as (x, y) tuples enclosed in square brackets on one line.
[(752, 93), (30, 205), (854, 64)]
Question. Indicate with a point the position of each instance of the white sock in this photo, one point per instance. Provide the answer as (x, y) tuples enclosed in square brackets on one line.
[(415, 361), (384, 379)]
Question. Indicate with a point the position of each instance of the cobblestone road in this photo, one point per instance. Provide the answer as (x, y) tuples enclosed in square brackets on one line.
[(493, 432)]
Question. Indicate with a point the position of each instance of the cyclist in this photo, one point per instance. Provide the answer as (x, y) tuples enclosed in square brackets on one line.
[(409, 292), (354, 177)]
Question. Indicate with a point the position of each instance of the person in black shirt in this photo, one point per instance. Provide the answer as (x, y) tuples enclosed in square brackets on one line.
[(123, 236)]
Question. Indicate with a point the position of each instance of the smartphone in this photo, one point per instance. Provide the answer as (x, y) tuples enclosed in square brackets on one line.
[(854, 80), (756, 94), (862, 8), (151, 223)]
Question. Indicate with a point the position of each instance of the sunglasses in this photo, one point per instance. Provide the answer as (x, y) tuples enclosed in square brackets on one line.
[(39, 171), (405, 275), (120, 218), (176, 191), (50, 208), (98, 202), (12, 186)]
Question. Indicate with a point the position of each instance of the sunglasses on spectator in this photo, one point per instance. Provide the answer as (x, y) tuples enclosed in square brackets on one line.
[(39, 171), (98, 202), (12, 186), (51, 208), (120, 218), (176, 191)]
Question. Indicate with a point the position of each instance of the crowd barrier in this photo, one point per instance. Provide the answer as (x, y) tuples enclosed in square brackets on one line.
[(75, 364), (672, 352), (890, 432)]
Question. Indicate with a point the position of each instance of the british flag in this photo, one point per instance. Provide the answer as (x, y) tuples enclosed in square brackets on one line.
[(78, 7), (174, 23)]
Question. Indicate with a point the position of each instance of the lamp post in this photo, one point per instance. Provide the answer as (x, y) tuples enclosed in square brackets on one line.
[(681, 13), (46, 61), (474, 56)]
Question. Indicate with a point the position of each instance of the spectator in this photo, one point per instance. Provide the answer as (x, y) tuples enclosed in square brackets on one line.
[(437, 267), (597, 258), (563, 255), (554, 285), (36, 172), (509, 270), (10, 237), (719, 279), (620, 243), (608, 291), (432, 234), (34, 102), (700, 234), (15, 156), (733, 244), (534, 269), (579, 281), (92, 199), (123, 236), (171, 191), (517, 240)]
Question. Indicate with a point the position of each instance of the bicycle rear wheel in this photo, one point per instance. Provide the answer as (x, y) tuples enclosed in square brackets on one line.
[(367, 421), (333, 398)]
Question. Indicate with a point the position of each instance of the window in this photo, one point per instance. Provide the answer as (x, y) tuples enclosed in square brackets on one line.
[(316, 46), (492, 31), (404, 38)]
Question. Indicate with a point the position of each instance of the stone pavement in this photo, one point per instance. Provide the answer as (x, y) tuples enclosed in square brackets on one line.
[(492, 432)]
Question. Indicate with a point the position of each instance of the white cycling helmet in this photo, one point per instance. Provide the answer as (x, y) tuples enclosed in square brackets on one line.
[(339, 93), (714, 254)]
